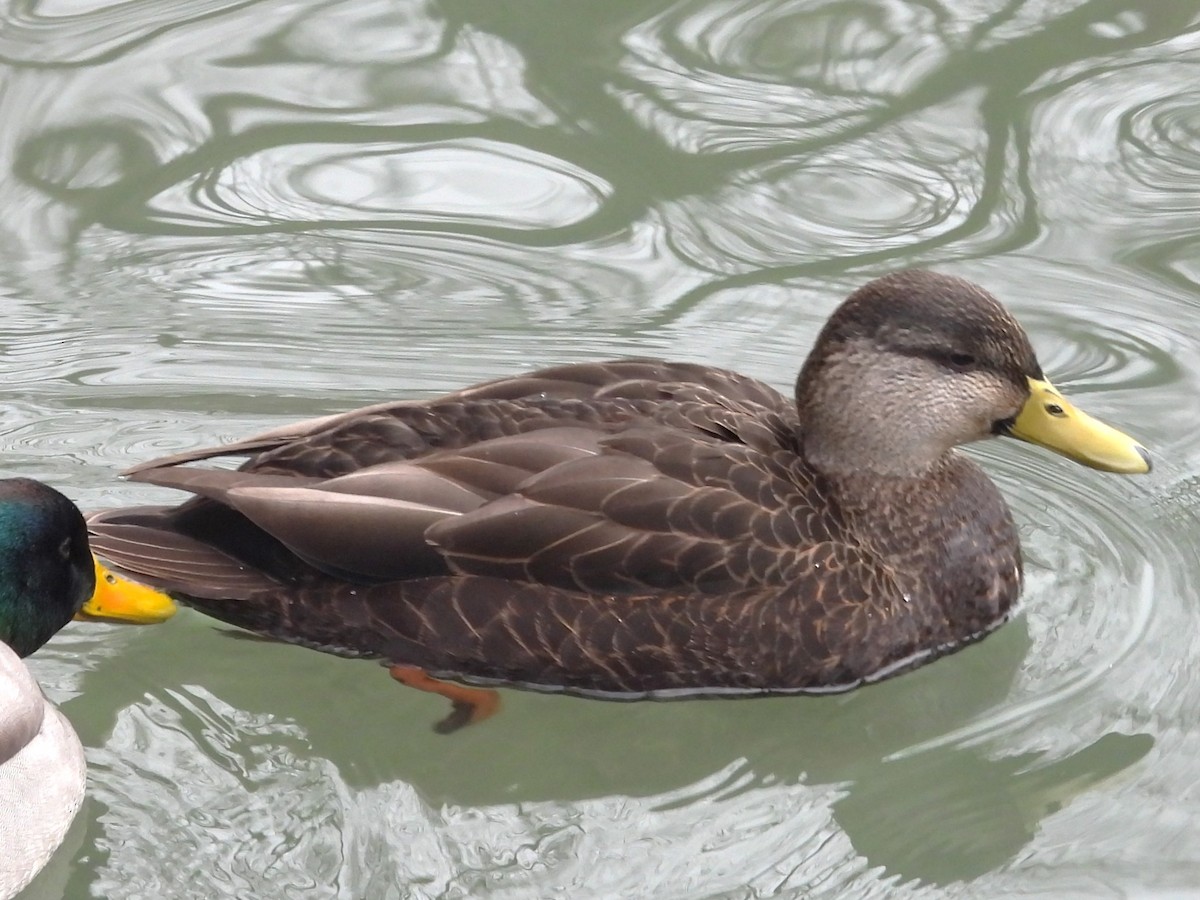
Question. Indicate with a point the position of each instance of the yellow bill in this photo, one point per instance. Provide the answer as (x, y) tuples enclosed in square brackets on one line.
[(1048, 419), (118, 600)]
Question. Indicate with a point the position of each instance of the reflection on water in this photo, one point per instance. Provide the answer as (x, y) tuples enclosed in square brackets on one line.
[(805, 789), (460, 182), (225, 215)]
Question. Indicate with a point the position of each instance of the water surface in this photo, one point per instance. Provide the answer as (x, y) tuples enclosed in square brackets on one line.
[(221, 216)]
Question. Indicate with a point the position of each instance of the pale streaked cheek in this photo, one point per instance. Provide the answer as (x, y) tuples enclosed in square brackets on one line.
[(973, 402)]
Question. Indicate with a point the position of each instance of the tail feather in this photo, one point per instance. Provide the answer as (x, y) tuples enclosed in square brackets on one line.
[(167, 560)]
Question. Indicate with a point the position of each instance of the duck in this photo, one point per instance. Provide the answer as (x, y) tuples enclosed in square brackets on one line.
[(638, 528), (47, 577)]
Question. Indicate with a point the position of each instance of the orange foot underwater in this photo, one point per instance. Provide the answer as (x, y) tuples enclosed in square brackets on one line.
[(471, 704)]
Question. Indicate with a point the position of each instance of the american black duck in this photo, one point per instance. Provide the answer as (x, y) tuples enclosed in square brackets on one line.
[(640, 528)]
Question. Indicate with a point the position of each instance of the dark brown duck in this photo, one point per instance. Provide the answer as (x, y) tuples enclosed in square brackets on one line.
[(638, 527)]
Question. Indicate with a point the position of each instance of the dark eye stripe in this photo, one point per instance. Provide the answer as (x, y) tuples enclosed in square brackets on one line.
[(946, 359)]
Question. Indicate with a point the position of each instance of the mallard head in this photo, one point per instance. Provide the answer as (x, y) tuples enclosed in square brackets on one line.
[(916, 363), (46, 569)]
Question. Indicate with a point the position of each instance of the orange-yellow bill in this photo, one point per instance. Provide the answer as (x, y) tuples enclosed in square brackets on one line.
[(119, 600)]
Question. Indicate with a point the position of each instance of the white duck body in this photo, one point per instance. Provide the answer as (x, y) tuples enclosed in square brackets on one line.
[(42, 775)]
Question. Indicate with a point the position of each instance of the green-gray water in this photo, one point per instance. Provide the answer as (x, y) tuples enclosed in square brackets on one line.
[(222, 215)]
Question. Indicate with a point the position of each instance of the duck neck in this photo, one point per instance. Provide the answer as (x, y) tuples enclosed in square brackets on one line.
[(24, 624), (839, 452)]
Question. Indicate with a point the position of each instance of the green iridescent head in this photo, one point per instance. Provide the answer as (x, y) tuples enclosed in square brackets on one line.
[(46, 569)]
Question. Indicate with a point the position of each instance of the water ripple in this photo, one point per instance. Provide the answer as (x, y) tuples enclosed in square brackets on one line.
[(1126, 179), (192, 138), (462, 183), (36, 33), (1159, 141), (226, 772), (365, 32), (741, 75), (903, 185)]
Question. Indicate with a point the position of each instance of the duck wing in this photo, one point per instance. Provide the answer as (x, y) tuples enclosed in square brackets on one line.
[(653, 508), (338, 443), (645, 507), (605, 477)]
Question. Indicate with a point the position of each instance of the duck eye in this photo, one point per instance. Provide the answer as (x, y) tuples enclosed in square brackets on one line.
[(64, 549), (962, 360)]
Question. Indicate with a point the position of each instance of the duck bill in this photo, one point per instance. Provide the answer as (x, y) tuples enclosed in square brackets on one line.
[(1048, 419), (119, 600)]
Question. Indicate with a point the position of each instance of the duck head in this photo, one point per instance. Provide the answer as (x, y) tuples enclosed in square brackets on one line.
[(46, 568), (916, 363)]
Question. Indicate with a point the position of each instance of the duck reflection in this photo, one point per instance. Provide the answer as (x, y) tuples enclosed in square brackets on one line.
[(940, 814), (955, 813)]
